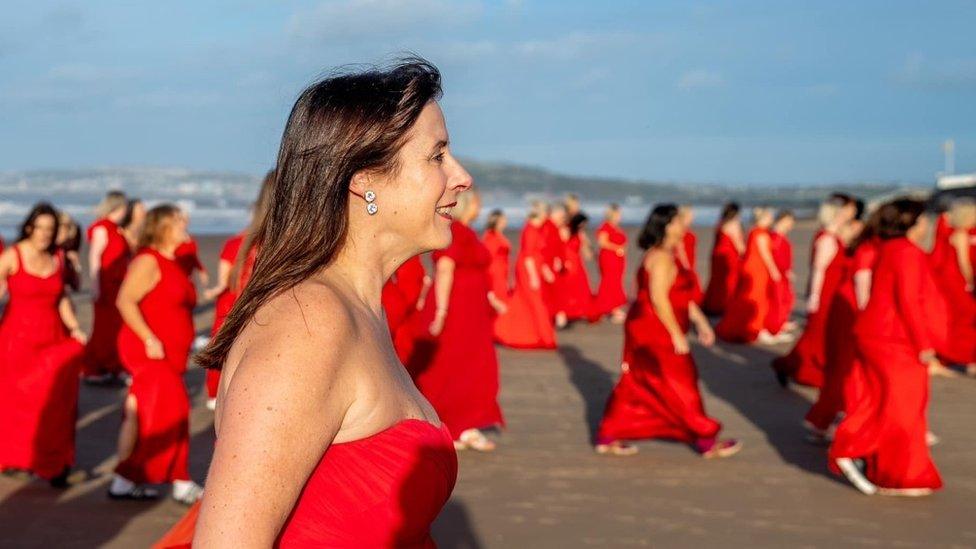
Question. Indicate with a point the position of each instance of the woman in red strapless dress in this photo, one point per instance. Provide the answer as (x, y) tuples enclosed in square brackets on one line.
[(686, 253), (610, 297), (952, 265), (897, 334), (156, 302), (454, 362), (657, 395), (40, 354), (499, 249), (805, 363), (781, 294), (746, 310), (322, 438), (526, 324), (108, 258), (843, 383), (726, 260), (576, 281), (556, 231)]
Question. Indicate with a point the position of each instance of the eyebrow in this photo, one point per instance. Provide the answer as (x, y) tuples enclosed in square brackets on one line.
[(440, 145)]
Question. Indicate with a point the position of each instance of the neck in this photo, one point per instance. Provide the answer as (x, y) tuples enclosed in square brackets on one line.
[(166, 249), (361, 269)]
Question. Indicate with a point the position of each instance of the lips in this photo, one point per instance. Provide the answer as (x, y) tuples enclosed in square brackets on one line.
[(445, 210)]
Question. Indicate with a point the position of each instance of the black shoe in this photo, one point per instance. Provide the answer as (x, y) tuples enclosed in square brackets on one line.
[(60, 482)]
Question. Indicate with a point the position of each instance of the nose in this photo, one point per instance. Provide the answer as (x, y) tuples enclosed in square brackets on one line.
[(459, 179)]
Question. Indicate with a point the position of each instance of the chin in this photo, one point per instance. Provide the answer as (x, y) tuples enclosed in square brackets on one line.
[(441, 238)]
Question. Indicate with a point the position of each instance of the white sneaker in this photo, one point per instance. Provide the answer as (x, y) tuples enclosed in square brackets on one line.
[(187, 492), (856, 477), (200, 342), (211, 404)]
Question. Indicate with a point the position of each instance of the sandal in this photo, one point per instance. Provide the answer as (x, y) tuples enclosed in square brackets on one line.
[(615, 448), (138, 492), (718, 449), (475, 440)]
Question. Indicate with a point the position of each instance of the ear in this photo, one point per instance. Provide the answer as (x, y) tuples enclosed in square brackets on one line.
[(360, 183)]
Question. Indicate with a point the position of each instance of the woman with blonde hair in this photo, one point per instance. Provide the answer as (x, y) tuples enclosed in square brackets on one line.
[(156, 302), (952, 265)]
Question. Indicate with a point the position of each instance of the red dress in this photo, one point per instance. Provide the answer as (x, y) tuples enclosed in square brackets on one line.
[(960, 346), (578, 297), (400, 296), (689, 247), (887, 428), (657, 397), (526, 324), (781, 294), (458, 370), (843, 375), (39, 365), (805, 363), (499, 249), (724, 276), (188, 257), (101, 355), (223, 304), (610, 295), (553, 253), (381, 491), (746, 310), (162, 448)]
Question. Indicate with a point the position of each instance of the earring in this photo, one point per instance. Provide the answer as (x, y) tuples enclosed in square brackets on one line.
[(370, 198)]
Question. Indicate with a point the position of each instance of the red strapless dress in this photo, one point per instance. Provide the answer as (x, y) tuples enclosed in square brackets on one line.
[(724, 275), (162, 448), (458, 370), (400, 296), (960, 346), (781, 294), (381, 491), (526, 324), (578, 298), (657, 397), (747, 308), (101, 354), (887, 426), (610, 295), (805, 363), (690, 247), (843, 383), (499, 249), (39, 365)]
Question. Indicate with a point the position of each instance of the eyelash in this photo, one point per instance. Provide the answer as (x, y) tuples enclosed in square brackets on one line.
[(439, 157)]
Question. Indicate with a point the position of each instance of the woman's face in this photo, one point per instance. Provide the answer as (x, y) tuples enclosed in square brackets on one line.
[(613, 216), (415, 203), (474, 207), (176, 231), (558, 216), (64, 232), (785, 225), (502, 223), (138, 215), (675, 229), (917, 232), (42, 232)]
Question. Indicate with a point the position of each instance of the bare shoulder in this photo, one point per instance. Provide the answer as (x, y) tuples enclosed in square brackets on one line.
[(8, 260), (657, 259)]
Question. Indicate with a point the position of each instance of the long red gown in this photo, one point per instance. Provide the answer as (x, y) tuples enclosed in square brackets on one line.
[(39, 365), (553, 253), (843, 383), (747, 308), (724, 276), (689, 249), (657, 397), (578, 297), (805, 363), (526, 324), (960, 346), (161, 452), (499, 248), (381, 491), (101, 354), (223, 304), (610, 295), (458, 369), (781, 294), (887, 427), (400, 296)]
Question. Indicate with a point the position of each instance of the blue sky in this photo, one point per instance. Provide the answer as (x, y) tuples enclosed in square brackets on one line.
[(736, 92)]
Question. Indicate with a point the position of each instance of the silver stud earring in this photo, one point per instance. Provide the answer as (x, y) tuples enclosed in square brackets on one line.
[(370, 198)]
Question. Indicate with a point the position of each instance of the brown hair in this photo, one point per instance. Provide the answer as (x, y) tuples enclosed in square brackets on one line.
[(341, 125), (898, 216), (158, 219), (113, 200), (493, 218)]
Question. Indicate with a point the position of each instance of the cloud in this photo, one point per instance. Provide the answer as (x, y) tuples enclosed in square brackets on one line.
[(700, 79), (919, 71), (367, 19), (574, 45)]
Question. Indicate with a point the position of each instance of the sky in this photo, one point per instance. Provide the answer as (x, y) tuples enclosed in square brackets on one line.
[(739, 92)]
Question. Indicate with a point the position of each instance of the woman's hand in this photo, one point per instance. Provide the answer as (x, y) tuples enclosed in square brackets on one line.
[(775, 275), (211, 293), (498, 305), (680, 343), (437, 325), (813, 304), (621, 251), (706, 335), (547, 274), (78, 335), (154, 348)]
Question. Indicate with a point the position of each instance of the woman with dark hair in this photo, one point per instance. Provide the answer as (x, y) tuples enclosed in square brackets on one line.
[(108, 258), (453, 361), (896, 334), (727, 250), (527, 324), (320, 428), (579, 295), (233, 269), (156, 302), (657, 395), (805, 363), (499, 249), (781, 295), (748, 307), (951, 261), (69, 246), (610, 297), (41, 346), (133, 221)]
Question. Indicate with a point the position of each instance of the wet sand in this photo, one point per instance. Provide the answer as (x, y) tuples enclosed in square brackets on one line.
[(544, 487)]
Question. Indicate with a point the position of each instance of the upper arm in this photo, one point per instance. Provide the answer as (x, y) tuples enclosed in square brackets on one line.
[(8, 262), (662, 271), (826, 249), (142, 276), (282, 408)]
